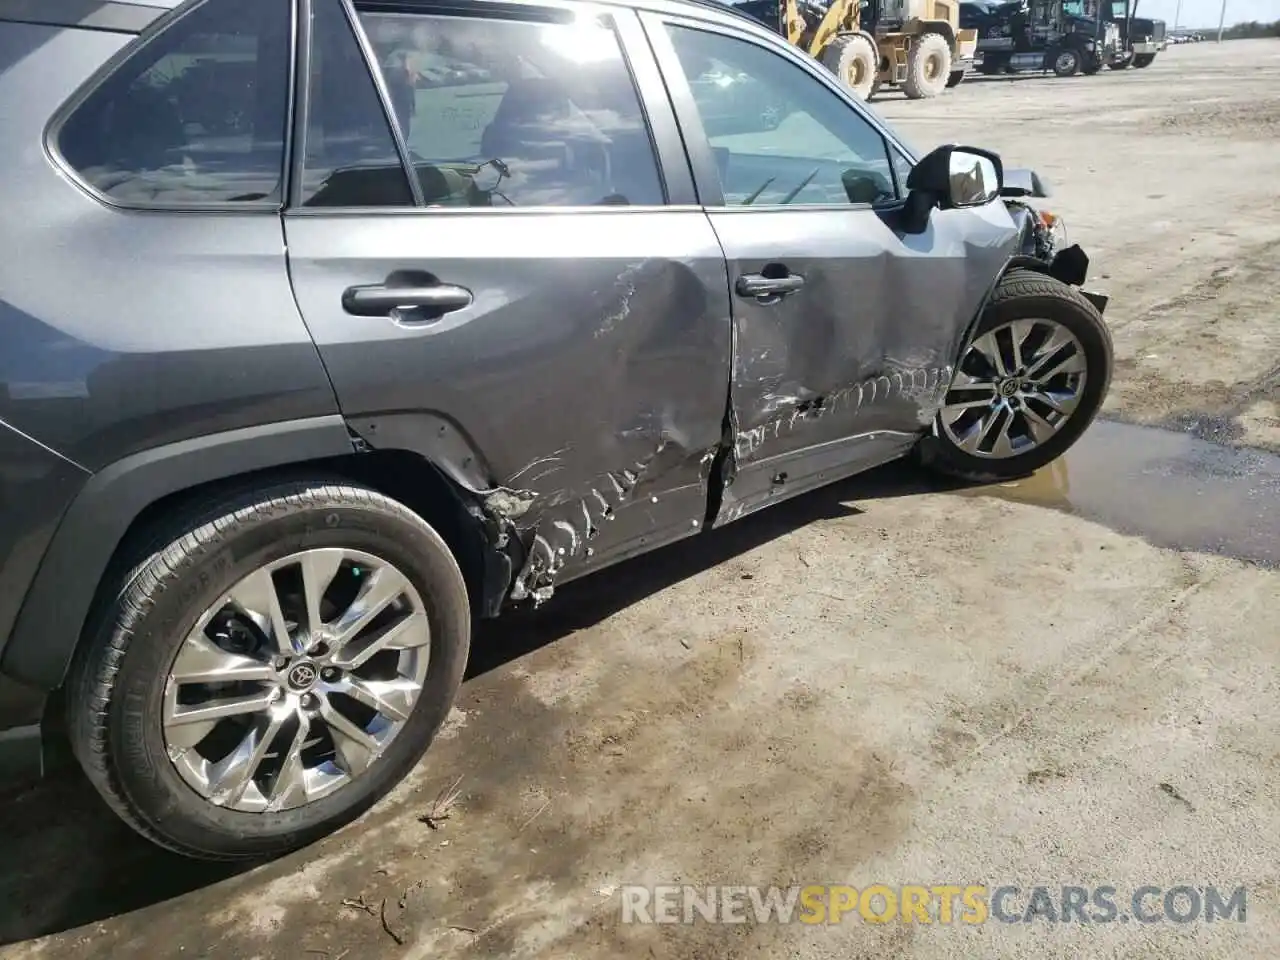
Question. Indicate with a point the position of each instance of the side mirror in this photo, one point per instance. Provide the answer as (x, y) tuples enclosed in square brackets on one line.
[(954, 176)]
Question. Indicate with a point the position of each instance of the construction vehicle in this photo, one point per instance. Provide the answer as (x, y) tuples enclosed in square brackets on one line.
[(1140, 38), (916, 45), (1018, 36)]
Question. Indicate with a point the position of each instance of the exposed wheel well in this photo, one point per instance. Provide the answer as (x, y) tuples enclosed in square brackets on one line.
[(941, 27)]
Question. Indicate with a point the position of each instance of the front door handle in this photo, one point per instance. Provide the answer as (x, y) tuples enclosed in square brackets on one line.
[(760, 287), (408, 304)]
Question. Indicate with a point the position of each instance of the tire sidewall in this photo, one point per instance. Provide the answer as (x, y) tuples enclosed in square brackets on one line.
[(136, 709), (1074, 317)]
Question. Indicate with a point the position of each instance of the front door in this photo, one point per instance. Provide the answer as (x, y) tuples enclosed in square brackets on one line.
[(540, 310), (846, 327)]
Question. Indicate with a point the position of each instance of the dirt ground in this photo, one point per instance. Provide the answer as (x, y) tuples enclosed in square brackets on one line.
[(880, 682)]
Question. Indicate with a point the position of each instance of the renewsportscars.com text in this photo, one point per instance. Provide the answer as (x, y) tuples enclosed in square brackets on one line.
[(933, 903)]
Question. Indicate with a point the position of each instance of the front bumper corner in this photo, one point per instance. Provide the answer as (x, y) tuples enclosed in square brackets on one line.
[(1099, 300)]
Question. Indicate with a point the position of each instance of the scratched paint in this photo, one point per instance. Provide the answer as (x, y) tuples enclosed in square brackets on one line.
[(565, 534), (926, 386)]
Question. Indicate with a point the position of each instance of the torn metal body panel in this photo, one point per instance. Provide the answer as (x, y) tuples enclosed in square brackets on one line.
[(846, 371), (576, 398)]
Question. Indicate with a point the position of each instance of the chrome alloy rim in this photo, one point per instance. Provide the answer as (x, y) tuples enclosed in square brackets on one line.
[(296, 680), (1015, 388), (1066, 60)]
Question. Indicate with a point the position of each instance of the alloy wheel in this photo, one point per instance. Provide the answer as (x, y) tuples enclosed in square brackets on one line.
[(296, 680), (1015, 388)]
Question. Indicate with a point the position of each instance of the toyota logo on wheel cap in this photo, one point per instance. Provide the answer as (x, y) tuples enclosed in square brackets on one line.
[(303, 675)]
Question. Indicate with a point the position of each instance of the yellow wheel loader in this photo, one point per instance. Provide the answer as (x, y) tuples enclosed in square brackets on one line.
[(869, 44)]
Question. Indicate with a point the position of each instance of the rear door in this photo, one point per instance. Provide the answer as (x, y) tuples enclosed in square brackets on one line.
[(541, 308), (846, 327)]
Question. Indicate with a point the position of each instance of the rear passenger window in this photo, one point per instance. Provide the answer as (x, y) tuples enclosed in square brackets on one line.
[(351, 155), (196, 116), (520, 113)]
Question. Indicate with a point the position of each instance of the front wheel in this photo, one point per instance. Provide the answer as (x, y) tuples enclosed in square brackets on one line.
[(274, 668), (1067, 62), (1028, 385)]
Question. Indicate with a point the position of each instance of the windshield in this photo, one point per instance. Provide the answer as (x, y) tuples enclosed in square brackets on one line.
[(1081, 8)]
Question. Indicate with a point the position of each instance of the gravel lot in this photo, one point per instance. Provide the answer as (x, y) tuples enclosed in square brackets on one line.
[(1070, 681)]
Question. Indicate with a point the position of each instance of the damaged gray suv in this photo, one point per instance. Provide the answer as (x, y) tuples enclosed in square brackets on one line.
[(328, 326)]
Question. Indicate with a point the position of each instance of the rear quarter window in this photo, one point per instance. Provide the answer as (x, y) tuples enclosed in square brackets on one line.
[(195, 116)]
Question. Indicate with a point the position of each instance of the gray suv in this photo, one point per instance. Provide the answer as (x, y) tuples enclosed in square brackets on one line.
[(327, 327)]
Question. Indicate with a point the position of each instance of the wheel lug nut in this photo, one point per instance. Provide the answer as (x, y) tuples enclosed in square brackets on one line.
[(330, 673), (309, 701), (319, 650)]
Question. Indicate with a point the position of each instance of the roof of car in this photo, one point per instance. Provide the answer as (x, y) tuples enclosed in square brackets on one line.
[(134, 15), (719, 6)]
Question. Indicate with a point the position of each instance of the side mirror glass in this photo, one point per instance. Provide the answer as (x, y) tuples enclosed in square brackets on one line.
[(975, 179), (953, 176)]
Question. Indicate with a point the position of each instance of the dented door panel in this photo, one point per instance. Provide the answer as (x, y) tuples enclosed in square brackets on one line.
[(846, 372), (581, 396)]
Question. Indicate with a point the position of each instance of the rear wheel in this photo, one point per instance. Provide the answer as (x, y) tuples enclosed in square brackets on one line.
[(271, 671), (1028, 385), (852, 57), (1143, 60), (928, 66)]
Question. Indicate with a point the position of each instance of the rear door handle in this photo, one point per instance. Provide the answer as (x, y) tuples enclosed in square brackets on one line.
[(760, 287), (408, 304)]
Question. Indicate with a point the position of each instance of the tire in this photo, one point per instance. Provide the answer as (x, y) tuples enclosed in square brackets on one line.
[(956, 78), (1023, 296), (1067, 62), (123, 683), (1143, 60), (854, 59), (928, 66)]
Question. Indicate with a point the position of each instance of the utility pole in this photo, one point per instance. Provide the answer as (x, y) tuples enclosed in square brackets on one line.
[(1222, 18)]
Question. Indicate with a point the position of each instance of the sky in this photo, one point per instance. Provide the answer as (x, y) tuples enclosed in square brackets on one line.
[(1205, 13)]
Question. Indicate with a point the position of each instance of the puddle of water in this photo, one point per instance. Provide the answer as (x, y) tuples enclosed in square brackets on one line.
[(1169, 488)]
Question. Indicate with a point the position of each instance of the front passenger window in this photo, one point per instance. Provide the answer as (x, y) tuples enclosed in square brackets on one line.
[(778, 134)]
